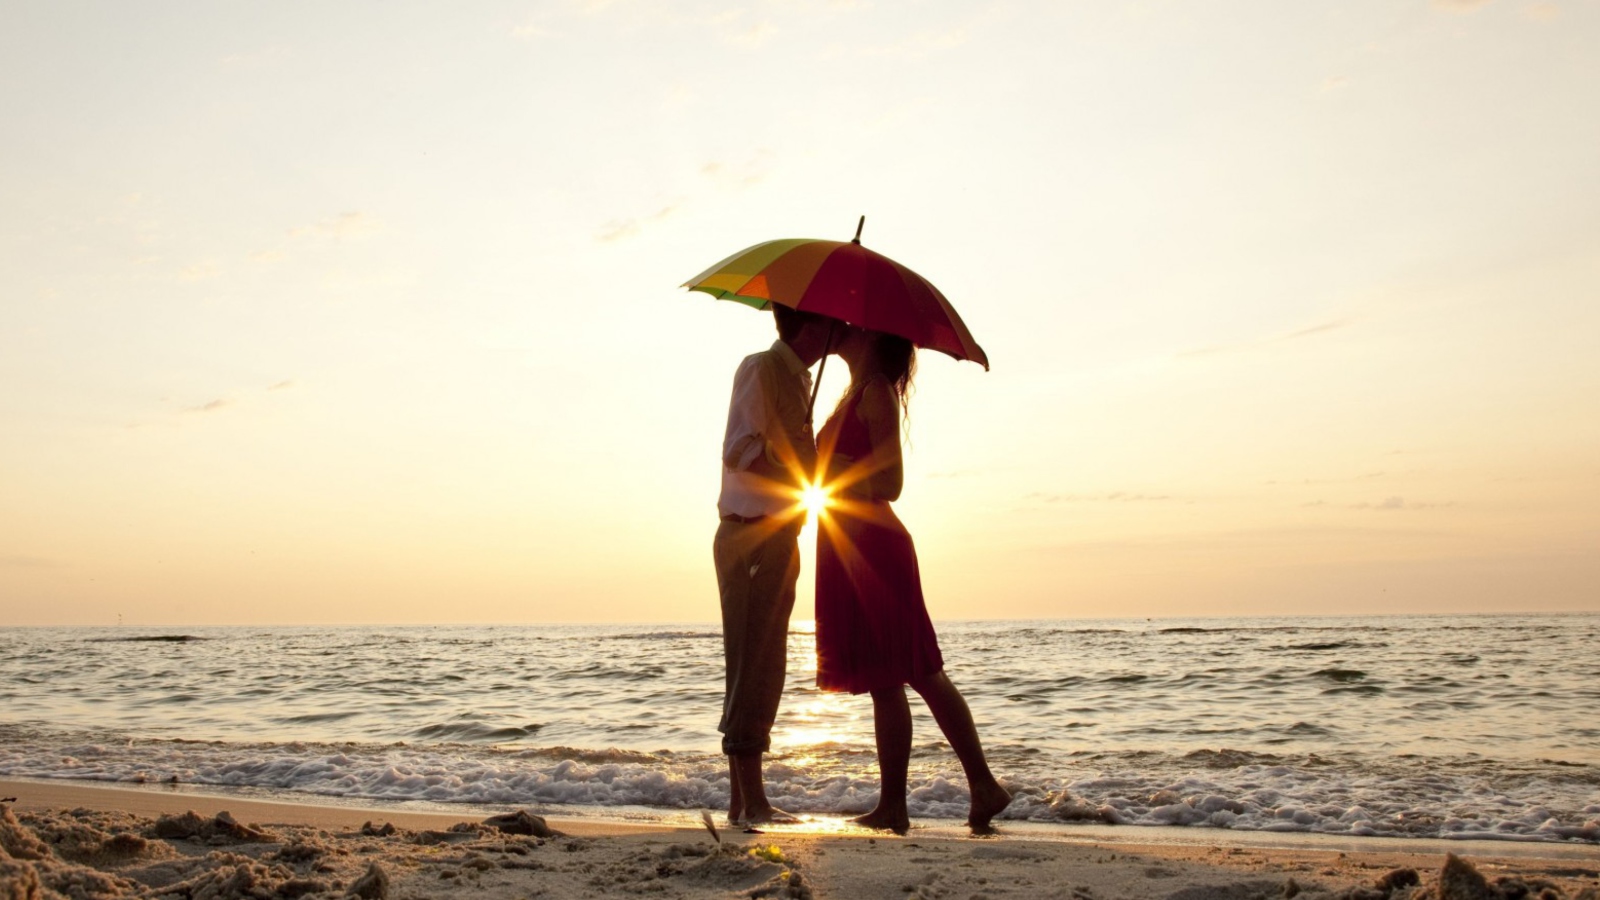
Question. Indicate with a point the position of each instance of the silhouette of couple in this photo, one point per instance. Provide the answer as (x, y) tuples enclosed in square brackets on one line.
[(873, 631)]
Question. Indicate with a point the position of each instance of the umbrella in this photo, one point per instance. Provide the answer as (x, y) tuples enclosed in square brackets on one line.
[(844, 281)]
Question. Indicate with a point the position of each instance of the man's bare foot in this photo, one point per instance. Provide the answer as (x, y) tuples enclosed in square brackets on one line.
[(887, 820), (988, 801), (771, 815)]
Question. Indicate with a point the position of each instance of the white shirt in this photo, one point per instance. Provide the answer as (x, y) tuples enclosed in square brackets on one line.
[(766, 418)]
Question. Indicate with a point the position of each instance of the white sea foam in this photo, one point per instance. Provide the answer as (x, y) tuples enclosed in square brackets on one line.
[(1346, 797)]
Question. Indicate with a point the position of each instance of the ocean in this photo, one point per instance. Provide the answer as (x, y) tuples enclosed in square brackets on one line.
[(1484, 727)]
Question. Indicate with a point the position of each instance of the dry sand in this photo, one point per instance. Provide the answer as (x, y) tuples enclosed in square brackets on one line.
[(89, 842)]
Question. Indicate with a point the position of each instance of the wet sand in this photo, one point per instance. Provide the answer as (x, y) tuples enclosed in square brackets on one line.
[(71, 840)]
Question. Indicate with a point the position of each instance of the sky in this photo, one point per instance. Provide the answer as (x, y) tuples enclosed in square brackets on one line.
[(370, 312)]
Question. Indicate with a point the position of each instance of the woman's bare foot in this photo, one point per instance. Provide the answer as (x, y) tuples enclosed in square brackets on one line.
[(887, 820), (988, 801)]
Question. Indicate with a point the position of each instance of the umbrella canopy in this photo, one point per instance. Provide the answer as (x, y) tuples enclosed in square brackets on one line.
[(845, 281)]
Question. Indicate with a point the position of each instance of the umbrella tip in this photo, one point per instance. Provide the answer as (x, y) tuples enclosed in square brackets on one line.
[(859, 225)]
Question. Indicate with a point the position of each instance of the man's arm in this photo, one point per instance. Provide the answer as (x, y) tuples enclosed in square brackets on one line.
[(745, 441), (789, 453), (758, 440)]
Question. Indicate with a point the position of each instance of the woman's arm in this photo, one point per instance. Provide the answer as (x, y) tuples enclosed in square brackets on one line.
[(885, 471)]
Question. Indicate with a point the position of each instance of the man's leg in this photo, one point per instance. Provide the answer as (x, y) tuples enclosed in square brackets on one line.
[(757, 568), (735, 795), (730, 554), (744, 777)]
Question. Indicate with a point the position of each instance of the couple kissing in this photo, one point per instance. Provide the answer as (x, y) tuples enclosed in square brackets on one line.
[(874, 635)]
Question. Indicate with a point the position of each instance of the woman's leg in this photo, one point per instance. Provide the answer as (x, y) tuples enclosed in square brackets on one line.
[(950, 710), (891, 724)]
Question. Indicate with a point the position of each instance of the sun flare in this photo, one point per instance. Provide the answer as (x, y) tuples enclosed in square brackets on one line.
[(814, 499)]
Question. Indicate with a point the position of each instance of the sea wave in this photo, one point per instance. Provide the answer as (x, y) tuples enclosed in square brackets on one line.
[(1222, 788), (666, 636), (1130, 721), (148, 639)]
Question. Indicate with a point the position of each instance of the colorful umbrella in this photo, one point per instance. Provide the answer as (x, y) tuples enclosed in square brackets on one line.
[(844, 281)]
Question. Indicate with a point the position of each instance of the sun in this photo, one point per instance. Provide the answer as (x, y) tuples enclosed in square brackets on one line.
[(814, 499)]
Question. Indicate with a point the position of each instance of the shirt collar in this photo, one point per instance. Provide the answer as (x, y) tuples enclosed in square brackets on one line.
[(790, 359)]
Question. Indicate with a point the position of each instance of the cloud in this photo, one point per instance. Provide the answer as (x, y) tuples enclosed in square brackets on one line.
[(1543, 12), (741, 175), (677, 97), (1367, 476), (1112, 497), (28, 562), (213, 406), (1460, 6), (1335, 82), (556, 19), (267, 256), (735, 177), (344, 225), (931, 41), (1397, 504), (199, 272), (752, 37), (529, 31), (618, 229), (1315, 329), (221, 403), (920, 45), (1321, 328), (729, 26)]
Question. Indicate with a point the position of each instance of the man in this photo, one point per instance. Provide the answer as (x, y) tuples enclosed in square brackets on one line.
[(768, 452)]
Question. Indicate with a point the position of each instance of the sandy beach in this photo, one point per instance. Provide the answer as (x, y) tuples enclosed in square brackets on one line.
[(66, 840)]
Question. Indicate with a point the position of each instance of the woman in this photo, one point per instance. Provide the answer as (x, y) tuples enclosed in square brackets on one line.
[(873, 631)]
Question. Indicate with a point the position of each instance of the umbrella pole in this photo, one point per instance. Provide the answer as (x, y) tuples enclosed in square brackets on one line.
[(816, 385), (828, 344)]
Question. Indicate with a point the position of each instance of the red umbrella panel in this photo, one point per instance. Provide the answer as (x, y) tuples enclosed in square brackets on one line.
[(845, 281)]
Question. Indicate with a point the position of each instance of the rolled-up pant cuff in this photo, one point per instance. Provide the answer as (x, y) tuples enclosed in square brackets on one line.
[(745, 748)]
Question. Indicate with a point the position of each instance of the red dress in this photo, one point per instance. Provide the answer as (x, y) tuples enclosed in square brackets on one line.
[(872, 625)]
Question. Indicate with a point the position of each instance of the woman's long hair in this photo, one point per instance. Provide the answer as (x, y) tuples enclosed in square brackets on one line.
[(894, 358)]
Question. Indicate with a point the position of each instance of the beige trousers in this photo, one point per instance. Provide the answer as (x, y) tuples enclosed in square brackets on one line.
[(757, 567)]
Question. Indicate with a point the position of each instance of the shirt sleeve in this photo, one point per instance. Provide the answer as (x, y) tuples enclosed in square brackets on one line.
[(745, 439)]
